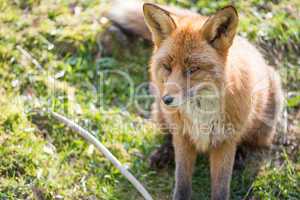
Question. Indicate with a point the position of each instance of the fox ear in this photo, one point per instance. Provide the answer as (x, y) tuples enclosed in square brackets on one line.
[(219, 30), (159, 21)]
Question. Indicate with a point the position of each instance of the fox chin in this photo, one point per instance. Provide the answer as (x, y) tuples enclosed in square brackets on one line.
[(214, 89)]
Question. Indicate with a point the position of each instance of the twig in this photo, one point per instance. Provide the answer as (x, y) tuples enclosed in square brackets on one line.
[(90, 138), (29, 56)]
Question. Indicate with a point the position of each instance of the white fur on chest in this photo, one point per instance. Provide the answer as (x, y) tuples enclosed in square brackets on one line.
[(202, 118)]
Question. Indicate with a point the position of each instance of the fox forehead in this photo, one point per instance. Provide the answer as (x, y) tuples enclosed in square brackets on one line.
[(186, 47)]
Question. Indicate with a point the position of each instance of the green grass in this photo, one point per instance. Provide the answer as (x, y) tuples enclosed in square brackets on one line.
[(40, 157)]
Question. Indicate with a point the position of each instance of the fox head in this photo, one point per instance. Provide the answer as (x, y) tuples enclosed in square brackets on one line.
[(190, 51)]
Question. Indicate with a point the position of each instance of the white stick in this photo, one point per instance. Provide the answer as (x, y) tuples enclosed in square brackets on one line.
[(29, 56), (90, 138)]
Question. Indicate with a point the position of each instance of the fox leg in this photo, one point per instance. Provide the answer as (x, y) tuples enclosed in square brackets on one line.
[(221, 164), (185, 156)]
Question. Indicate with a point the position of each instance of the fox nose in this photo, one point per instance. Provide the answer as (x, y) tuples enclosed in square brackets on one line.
[(167, 99)]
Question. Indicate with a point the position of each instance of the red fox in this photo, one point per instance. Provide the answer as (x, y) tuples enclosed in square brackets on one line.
[(214, 89)]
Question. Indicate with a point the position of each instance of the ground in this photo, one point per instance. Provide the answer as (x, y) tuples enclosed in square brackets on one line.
[(53, 57)]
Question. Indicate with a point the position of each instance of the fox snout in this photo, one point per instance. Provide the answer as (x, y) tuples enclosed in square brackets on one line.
[(175, 96), (167, 99), (172, 100), (172, 96)]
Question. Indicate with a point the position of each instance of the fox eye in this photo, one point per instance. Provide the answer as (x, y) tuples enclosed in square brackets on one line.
[(167, 67), (191, 70)]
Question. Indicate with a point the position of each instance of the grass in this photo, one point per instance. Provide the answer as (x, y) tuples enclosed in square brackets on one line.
[(41, 159)]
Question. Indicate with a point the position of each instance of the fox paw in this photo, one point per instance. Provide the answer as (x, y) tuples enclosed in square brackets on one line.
[(162, 157)]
